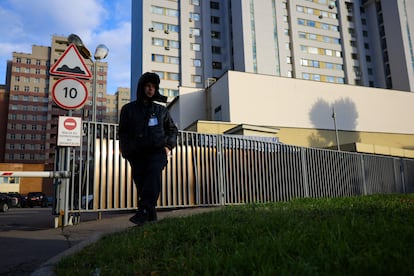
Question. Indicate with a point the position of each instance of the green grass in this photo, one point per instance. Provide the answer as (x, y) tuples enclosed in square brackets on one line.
[(367, 235)]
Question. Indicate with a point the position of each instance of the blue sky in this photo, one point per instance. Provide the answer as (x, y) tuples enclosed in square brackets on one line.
[(24, 23)]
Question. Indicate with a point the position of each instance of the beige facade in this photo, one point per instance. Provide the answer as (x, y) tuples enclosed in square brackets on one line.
[(4, 106), (367, 119), (114, 103)]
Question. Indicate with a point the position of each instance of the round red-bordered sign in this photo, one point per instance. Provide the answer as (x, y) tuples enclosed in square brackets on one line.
[(69, 124), (70, 93)]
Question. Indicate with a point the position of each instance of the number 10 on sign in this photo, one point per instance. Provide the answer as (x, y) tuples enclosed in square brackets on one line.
[(70, 93)]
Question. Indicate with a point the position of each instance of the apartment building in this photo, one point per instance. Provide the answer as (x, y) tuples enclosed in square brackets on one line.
[(192, 43), (32, 116), (114, 103)]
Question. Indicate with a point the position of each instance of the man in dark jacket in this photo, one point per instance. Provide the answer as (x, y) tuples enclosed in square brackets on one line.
[(147, 134)]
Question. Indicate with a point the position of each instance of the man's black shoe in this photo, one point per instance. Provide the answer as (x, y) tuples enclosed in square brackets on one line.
[(152, 214), (140, 218)]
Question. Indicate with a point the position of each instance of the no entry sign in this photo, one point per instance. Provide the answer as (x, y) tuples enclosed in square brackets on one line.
[(69, 131)]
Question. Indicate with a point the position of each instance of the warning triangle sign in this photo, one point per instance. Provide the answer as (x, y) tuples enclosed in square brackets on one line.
[(71, 64)]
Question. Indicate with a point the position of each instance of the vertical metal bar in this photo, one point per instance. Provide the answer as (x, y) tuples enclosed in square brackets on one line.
[(304, 172), (364, 184)]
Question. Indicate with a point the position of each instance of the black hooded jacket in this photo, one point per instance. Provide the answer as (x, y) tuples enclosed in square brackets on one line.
[(145, 126)]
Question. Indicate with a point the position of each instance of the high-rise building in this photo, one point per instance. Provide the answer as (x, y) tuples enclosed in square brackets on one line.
[(114, 103), (32, 116), (192, 43)]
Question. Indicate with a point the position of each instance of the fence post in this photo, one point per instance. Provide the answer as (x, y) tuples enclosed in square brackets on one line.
[(61, 187), (220, 165), (304, 172), (364, 183), (401, 165)]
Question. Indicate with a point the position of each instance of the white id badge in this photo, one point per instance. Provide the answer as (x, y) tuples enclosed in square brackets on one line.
[(153, 121)]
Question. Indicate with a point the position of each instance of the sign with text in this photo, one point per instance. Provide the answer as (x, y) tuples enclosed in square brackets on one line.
[(69, 131)]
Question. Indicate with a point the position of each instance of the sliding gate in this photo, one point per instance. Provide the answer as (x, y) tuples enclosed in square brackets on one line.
[(211, 170)]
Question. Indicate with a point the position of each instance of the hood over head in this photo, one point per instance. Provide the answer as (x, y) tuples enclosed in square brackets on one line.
[(153, 78)]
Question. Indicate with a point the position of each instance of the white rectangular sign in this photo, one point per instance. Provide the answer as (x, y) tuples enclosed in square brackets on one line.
[(69, 131)]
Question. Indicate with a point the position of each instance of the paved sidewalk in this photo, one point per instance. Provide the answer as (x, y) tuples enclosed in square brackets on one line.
[(44, 248)]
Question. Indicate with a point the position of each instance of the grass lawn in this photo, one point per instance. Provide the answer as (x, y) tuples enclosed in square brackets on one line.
[(366, 235)]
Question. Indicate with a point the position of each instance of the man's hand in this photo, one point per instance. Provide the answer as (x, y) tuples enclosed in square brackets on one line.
[(167, 152)]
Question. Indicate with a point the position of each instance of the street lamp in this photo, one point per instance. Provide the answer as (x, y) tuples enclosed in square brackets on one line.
[(101, 52)]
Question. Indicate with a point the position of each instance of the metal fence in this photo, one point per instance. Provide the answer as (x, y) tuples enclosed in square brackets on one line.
[(211, 170)]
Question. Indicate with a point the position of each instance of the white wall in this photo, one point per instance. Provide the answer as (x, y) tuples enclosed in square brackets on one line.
[(191, 106), (277, 101)]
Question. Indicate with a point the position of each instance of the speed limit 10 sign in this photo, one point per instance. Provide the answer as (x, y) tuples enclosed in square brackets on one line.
[(70, 93)]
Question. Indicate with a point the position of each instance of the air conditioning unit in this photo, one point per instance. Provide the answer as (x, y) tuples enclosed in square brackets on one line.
[(151, 29), (166, 31), (190, 19), (167, 48), (190, 35)]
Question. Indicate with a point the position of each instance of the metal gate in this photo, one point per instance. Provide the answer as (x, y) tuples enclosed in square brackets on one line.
[(211, 170)]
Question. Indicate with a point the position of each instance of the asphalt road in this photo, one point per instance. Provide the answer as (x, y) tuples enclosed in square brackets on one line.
[(28, 239), (26, 219)]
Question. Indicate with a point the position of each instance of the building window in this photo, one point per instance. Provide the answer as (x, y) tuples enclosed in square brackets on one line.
[(158, 26), (172, 12), (195, 16), (173, 44), (157, 58), (16, 88), (196, 47), (38, 62), (37, 71), (216, 50), (215, 20), (18, 60), (173, 76), (26, 89), (28, 61), (157, 41), (214, 5), (172, 60), (17, 78), (195, 2), (195, 31), (217, 65), (196, 78), (157, 10), (215, 35), (197, 62)]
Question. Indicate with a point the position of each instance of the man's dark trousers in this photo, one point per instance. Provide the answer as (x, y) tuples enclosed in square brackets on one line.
[(146, 172)]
